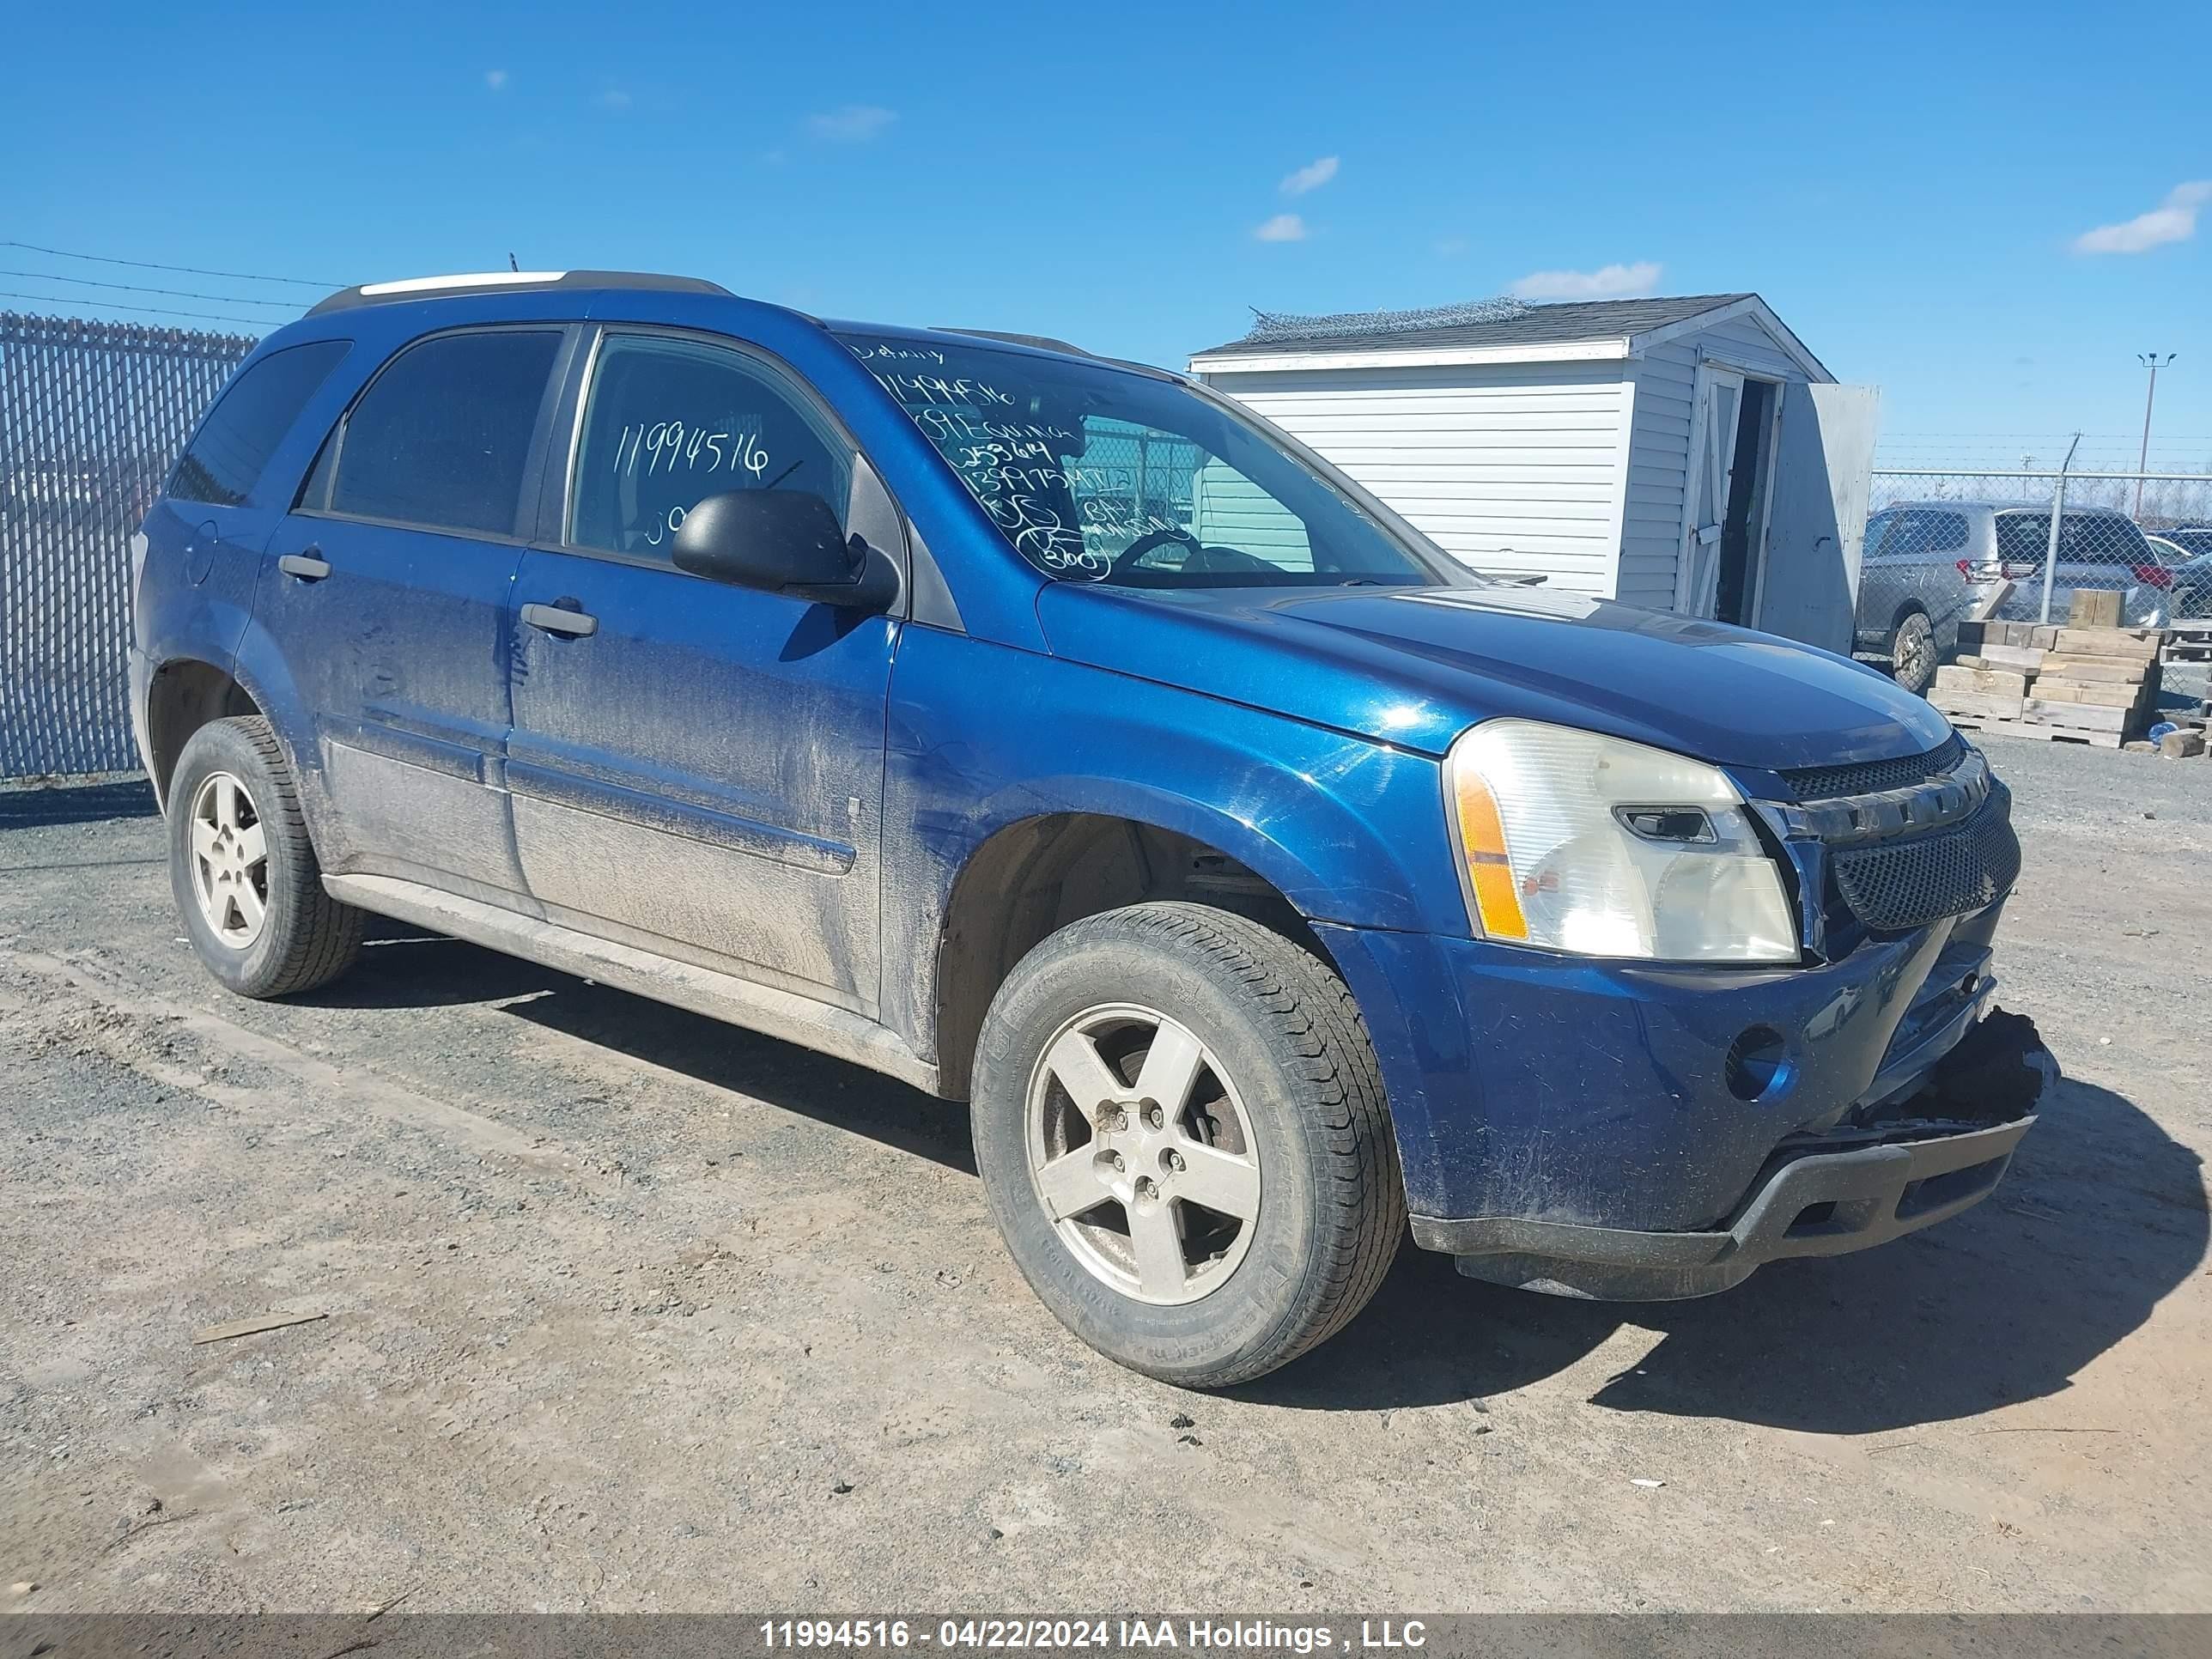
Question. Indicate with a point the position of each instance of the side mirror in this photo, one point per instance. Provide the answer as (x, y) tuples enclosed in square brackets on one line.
[(783, 541)]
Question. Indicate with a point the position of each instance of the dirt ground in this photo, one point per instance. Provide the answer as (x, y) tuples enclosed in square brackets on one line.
[(629, 1310)]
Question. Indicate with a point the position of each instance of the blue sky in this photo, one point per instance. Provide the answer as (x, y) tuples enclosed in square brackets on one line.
[(1909, 187)]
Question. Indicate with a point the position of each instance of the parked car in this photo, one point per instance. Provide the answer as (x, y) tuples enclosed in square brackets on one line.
[(1052, 734), (1927, 564), (2188, 554), (2099, 547), (1915, 588)]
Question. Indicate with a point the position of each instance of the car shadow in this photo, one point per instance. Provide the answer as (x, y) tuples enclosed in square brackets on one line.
[(404, 967), (2102, 1215), (40, 805)]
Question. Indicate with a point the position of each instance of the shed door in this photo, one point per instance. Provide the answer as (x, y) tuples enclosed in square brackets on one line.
[(1822, 474), (1715, 403)]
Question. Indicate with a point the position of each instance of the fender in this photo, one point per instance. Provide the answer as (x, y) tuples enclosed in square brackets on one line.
[(261, 667), (982, 736)]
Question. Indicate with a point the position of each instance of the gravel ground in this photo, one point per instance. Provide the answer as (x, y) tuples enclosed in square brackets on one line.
[(628, 1310)]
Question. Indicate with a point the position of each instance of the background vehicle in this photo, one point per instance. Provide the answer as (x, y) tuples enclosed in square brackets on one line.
[(2188, 554), (2099, 547), (1928, 563), (1050, 733), (1914, 589)]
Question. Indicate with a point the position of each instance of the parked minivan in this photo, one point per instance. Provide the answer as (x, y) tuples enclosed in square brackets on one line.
[(1051, 734)]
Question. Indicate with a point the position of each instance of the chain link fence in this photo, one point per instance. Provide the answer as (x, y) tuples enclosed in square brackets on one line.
[(1944, 547), (92, 416)]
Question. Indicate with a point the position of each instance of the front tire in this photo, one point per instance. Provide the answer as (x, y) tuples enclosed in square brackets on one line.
[(1912, 653), (1182, 1136), (244, 872)]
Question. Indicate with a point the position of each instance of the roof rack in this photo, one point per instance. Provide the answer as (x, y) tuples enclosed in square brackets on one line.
[(480, 282)]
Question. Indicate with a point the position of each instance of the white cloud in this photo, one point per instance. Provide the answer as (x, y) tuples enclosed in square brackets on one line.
[(1312, 176), (1283, 227), (2173, 220), (851, 124), (614, 98), (1607, 282), (495, 79)]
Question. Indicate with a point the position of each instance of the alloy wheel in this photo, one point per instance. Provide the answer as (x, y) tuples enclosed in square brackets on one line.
[(230, 860), (1142, 1154)]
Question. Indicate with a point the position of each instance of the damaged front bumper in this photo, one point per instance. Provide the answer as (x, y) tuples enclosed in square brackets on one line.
[(1588, 1128), (1891, 1167), (1811, 1203)]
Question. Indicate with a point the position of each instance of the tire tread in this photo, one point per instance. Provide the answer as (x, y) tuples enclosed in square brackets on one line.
[(322, 935)]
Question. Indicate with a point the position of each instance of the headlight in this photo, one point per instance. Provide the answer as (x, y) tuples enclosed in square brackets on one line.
[(1573, 841)]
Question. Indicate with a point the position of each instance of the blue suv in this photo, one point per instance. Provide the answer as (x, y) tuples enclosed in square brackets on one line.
[(1050, 733)]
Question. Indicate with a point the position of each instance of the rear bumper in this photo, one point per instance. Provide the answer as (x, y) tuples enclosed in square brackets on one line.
[(1806, 1203)]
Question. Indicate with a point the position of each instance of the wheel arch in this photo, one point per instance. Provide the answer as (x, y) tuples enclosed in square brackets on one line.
[(1037, 873), (183, 695)]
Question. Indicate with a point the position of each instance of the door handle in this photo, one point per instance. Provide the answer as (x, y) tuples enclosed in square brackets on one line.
[(561, 619), (308, 566)]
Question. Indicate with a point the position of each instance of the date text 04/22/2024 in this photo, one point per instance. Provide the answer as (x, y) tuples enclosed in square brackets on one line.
[(1243, 1635)]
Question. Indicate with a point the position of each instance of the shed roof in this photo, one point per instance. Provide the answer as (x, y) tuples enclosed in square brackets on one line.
[(1573, 319), (1566, 329)]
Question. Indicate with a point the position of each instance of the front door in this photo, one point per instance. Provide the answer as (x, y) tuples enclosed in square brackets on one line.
[(1716, 406), (698, 768), (388, 593)]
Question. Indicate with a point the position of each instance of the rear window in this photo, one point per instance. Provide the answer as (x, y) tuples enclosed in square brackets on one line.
[(2092, 538), (1921, 533), (227, 454), (441, 437)]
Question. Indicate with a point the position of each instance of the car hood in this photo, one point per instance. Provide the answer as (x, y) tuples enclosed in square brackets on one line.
[(1414, 667)]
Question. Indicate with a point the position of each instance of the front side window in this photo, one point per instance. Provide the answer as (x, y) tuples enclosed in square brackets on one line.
[(671, 422), (441, 437), (241, 432), (1099, 474)]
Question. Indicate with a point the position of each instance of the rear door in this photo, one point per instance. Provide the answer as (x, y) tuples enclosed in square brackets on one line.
[(389, 595), (698, 768)]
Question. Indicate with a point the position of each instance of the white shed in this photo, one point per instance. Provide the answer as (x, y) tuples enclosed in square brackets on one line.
[(1689, 454)]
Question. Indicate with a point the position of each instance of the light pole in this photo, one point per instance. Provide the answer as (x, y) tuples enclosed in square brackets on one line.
[(2153, 362)]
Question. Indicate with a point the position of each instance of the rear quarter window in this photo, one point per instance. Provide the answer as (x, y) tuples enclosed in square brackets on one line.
[(228, 453)]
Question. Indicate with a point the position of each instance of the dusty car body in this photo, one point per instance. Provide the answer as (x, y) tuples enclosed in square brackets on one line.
[(1051, 734)]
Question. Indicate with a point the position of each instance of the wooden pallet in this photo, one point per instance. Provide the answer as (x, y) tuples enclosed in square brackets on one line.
[(2189, 642), (2004, 728)]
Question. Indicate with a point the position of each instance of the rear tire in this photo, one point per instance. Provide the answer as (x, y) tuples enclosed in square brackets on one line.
[(1214, 1215), (1912, 653), (244, 872)]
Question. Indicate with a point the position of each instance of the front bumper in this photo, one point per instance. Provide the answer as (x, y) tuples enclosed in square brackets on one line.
[(1812, 1204), (1589, 1094)]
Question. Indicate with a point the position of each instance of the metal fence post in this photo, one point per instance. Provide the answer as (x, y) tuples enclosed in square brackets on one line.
[(2057, 514)]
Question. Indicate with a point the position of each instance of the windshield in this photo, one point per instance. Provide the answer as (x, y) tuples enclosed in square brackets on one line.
[(1100, 474)]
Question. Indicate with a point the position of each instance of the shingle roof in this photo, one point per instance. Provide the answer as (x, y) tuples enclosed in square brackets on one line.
[(1581, 319)]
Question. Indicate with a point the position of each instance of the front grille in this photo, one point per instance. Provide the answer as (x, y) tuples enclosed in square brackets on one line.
[(1872, 777), (1903, 884)]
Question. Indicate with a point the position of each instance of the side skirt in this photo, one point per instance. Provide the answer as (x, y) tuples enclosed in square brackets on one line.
[(761, 1008)]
